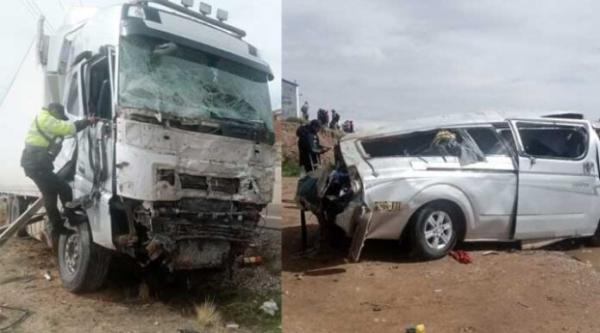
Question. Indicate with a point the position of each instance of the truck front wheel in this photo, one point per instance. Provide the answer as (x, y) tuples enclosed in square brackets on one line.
[(83, 265)]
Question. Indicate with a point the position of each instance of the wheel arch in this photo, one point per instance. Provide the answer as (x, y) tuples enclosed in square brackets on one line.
[(448, 195)]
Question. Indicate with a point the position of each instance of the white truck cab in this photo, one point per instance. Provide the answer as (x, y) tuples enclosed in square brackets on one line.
[(181, 163)]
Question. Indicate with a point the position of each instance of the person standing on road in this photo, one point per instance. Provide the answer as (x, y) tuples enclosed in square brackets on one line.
[(335, 119), (304, 110), (42, 144), (309, 147)]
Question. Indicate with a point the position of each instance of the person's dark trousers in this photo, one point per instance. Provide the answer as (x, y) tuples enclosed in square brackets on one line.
[(51, 186)]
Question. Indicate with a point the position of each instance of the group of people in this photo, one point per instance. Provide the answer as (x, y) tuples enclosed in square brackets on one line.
[(325, 121)]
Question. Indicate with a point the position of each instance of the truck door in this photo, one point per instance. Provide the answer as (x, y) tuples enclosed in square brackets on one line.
[(93, 181), (558, 178), (73, 102)]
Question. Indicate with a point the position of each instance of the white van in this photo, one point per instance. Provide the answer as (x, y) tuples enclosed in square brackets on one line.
[(485, 178)]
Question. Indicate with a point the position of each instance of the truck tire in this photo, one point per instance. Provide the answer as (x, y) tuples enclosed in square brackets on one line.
[(83, 265), (17, 206), (435, 231)]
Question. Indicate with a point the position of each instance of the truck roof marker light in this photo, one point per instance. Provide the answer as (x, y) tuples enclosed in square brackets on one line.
[(205, 8), (222, 15), (187, 3)]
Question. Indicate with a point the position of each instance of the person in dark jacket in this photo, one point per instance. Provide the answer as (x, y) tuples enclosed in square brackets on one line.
[(309, 147), (304, 111), (42, 143)]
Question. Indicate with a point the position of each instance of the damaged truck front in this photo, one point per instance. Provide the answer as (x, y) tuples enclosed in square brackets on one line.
[(482, 178), (181, 163)]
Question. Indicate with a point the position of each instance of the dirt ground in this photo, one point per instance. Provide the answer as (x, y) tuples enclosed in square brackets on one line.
[(506, 291), (127, 304)]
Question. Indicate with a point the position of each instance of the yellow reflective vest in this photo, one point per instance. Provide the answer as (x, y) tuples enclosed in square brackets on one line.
[(51, 127)]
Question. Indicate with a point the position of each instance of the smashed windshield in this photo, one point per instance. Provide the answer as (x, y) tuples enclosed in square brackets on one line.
[(190, 84)]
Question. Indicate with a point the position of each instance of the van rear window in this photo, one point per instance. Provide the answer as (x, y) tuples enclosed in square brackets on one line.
[(553, 141)]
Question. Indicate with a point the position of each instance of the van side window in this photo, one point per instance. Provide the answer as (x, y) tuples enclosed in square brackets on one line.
[(488, 141), (553, 141), (507, 135), (412, 144), (73, 97)]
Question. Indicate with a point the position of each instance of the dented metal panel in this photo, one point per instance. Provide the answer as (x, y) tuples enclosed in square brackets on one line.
[(145, 151)]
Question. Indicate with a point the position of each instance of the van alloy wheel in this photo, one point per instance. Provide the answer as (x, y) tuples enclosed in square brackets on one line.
[(435, 229), (438, 230)]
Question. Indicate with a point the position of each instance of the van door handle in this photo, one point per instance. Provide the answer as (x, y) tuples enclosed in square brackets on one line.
[(588, 167)]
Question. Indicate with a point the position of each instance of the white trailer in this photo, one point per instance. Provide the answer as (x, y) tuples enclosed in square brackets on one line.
[(181, 162)]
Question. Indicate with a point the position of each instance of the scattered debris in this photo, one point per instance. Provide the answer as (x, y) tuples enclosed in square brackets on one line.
[(420, 328), (461, 256), (269, 307), (298, 276), (523, 305), (375, 307), (252, 261), (487, 253), (47, 276), (232, 326)]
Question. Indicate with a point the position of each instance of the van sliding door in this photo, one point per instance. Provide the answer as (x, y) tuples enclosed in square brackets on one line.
[(558, 178)]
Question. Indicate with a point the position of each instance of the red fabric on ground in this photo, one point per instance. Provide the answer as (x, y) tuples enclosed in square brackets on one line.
[(461, 256)]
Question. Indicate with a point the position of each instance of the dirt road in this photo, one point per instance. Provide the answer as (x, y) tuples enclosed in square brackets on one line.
[(128, 305), (508, 291)]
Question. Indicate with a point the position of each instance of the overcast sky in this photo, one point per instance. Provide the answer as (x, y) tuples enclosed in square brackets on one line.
[(379, 60), (260, 18)]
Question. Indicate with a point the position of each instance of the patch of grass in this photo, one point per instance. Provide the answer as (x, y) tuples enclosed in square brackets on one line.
[(208, 318), (242, 306), (246, 311), (290, 168)]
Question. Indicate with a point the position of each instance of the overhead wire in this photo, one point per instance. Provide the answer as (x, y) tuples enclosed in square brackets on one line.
[(12, 81), (36, 12)]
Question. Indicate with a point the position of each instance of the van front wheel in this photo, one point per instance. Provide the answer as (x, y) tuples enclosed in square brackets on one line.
[(83, 265), (435, 231), (595, 240)]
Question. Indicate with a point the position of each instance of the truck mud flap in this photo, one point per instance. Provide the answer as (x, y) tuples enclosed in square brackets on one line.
[(358, 239)]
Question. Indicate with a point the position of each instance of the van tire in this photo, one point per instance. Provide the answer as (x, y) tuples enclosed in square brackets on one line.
[(442, 222), (595, 240), (82, 264)]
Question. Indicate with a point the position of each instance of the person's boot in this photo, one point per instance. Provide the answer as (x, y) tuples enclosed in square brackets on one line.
[(53, 232), (74, 216)]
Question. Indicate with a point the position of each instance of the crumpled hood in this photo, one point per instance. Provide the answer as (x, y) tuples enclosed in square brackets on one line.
[(145, 151)]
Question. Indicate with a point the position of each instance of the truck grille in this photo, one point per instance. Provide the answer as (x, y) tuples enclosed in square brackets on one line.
[(212, 184)]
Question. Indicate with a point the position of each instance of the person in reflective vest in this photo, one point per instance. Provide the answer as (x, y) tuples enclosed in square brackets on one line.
[(42, 143)]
